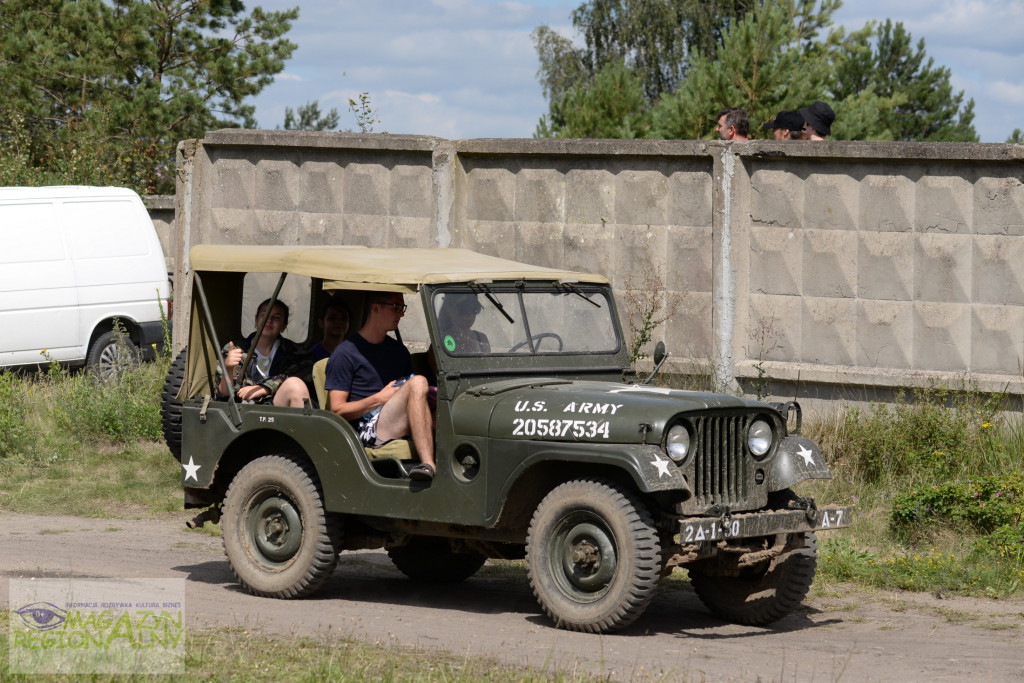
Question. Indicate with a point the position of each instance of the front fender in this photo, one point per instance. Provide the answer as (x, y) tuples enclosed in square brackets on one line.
[(797, 459)]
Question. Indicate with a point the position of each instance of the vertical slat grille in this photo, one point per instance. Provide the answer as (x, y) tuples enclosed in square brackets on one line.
[(718, 468)]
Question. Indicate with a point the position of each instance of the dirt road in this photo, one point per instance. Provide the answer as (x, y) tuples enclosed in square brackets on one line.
[(846, 634)]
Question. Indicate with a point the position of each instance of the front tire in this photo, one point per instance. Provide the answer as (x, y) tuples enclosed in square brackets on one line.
[(279, 540), (432, 559), (761, 595), (593, 556)]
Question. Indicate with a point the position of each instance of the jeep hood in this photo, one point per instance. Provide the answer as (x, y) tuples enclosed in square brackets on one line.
[(565, 410)]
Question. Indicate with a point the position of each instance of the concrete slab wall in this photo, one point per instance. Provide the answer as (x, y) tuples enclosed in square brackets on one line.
[(824, 266), (161, 211)]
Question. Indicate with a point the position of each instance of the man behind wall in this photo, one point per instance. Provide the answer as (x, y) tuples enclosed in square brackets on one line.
[(370, 383), (733, 124)]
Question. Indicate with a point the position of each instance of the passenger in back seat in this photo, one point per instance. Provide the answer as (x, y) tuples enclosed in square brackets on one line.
[(334, 321), (280, 370), (370, 383)]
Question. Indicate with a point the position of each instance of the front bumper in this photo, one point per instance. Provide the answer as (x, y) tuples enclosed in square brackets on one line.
[(756, 524)]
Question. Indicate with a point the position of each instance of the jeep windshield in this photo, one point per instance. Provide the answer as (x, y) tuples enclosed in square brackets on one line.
[(496, 320)]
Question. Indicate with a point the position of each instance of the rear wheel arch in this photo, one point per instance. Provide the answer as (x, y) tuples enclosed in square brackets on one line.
[(250, 446)]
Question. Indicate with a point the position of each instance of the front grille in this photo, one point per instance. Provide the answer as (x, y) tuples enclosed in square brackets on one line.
[(719, 476)]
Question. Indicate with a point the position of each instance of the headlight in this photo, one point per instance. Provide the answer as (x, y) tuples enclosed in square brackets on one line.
[(677, 443), (759, 438)]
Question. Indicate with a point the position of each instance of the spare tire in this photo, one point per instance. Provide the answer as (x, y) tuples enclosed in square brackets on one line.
[(170, 406)]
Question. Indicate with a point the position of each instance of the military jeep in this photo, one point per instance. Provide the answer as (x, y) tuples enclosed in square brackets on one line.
[(547, 448)]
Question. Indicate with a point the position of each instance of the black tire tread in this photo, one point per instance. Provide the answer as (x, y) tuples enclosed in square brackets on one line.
[(328, 527), (170, 406), (647, 567), (432, 560), (790, 575)]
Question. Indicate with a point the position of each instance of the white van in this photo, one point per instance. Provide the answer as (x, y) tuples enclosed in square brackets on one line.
[(73, 260)]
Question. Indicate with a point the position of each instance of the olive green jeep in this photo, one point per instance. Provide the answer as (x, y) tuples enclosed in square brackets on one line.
[(547, 447)]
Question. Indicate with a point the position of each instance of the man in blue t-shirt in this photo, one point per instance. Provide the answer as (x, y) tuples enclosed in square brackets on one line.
[(370, 383)]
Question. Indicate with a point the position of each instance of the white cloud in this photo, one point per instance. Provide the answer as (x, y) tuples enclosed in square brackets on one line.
[(467, 68), (1009, 93)]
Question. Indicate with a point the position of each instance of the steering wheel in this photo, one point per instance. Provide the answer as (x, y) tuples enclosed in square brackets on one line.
[(536, 338)]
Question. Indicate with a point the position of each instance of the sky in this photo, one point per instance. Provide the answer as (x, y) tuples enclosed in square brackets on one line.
[(462, 69)]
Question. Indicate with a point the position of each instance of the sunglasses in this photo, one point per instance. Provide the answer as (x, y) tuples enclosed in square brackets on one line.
[(399, 308)]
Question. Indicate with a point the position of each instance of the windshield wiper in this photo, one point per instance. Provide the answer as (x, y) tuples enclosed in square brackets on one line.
[(482, 284), (571, 286)]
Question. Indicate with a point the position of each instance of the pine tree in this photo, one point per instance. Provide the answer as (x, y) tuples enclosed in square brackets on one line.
[(923, 104), (133, 76), (309, 117)]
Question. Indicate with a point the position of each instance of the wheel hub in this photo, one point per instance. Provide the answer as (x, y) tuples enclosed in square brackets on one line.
[(588, 560), (277, 529)]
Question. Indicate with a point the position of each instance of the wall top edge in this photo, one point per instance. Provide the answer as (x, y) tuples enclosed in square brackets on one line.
[(754, 149), (888, 150), (237, 137), (158, 202), (582, 147)]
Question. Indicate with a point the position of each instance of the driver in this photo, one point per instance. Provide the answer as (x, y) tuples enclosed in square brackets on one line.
[(370, 383), (455, 320)]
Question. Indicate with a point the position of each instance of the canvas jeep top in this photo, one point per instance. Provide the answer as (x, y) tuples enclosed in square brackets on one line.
[(546, 446)]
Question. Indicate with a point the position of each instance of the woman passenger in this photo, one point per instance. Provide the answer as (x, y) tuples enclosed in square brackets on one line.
[(279, 369)]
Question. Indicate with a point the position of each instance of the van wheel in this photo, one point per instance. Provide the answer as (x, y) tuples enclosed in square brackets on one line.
[(279, 540), (110, 354), (170, 406)]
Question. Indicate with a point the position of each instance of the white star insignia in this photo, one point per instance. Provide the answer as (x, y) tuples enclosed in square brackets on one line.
[(662, 466), (191, 469), (807, 454)]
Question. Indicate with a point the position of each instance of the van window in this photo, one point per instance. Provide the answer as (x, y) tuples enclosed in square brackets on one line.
[(107, 229), (30, 234), (295, 294)]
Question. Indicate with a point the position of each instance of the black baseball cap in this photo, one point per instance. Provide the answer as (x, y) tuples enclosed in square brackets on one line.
[(788, 120)]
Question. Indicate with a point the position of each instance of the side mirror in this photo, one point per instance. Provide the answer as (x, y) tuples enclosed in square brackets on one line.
[(660, 356), (659, 353)]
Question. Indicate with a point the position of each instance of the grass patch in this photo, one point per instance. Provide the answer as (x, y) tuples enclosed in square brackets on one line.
[(85, 447), (236, 654)]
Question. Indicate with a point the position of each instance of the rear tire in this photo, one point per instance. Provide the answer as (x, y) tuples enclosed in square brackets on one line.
[(432, 559), (279, 540), (763, 595), (170, 406), (111, 353)]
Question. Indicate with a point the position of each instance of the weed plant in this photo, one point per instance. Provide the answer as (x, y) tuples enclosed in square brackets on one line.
[(16, 438)]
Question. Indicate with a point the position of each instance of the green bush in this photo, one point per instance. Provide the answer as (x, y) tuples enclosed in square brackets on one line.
[(934, 436), (16, 436), (990, 506)]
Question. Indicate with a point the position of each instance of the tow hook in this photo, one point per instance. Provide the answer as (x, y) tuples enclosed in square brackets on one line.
[(211, 514), (809, 506)]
